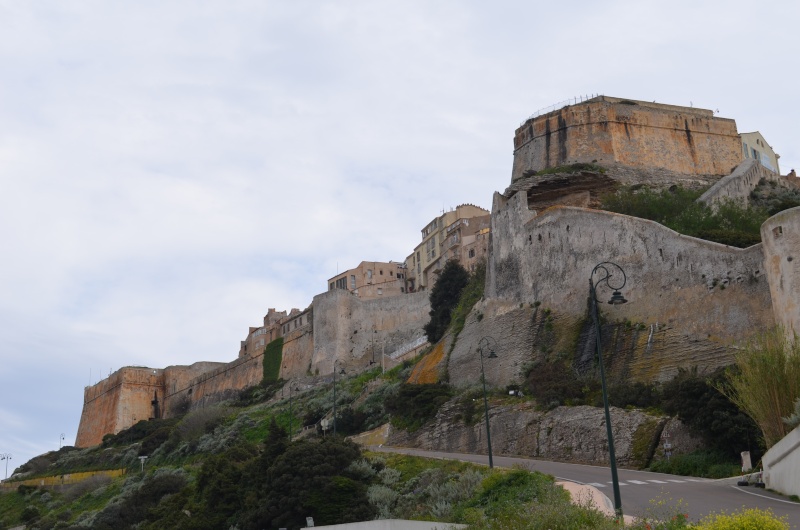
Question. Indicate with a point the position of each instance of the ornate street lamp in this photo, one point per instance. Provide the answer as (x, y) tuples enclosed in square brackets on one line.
[(60, 440), (490, 345), (607, 269), (334, 394)]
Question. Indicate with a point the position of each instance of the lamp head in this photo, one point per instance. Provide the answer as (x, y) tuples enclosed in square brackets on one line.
[(617, 298), (492, 355)]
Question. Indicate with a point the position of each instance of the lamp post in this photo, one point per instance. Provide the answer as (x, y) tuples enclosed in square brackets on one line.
[(291, 416), (6, 457), (487, 343), (334, 394), (60, 440), (606, 269)]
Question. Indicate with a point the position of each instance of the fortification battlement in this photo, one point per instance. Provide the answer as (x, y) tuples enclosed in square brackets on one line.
[(607, 130)]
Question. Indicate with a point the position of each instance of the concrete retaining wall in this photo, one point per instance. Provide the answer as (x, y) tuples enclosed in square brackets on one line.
[(781, 464)]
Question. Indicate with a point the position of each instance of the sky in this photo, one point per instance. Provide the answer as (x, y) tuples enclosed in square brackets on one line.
[(169, 170)]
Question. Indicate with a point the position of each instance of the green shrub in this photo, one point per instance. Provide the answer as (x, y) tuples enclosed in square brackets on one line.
[(766, 382), (413, 405), (744, 519), (138, 432), (272, 360), (444, 297), (470, 295), (708, 413), (730, 223), (709, 464)]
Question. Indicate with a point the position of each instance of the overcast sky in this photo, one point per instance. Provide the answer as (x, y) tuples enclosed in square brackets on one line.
[(169, 170)]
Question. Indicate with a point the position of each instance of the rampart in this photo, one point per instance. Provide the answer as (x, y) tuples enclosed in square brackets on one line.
[(739, 184), (781, 240), (118, 402), (354, 330), (547, 260), (607, 131)]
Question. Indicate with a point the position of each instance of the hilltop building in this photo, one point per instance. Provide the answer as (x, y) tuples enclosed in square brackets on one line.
[(756, 147), (372, 279), (445, 238)]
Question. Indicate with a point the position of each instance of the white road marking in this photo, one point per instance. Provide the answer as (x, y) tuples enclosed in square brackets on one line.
[(657, 481), (637, 482), (597, 485)]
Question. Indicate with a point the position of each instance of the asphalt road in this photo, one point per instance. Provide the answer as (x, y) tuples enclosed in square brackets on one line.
[(639, 489)]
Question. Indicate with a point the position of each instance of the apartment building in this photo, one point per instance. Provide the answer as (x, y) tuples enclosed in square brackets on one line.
[(460, 234)]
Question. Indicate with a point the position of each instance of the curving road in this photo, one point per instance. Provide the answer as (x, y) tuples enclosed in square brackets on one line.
[(698, 496)]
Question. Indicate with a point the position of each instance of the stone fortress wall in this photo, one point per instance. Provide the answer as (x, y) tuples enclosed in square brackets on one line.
[(690, 300), (608, 131), (781, 240), (341, 326)]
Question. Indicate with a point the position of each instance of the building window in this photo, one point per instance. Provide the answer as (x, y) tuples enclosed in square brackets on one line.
[(352, 281), (472, 253), (331, 288), (369, 274), (380, 290)]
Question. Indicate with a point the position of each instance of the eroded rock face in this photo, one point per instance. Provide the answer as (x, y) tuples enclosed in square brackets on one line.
[(574, 434)]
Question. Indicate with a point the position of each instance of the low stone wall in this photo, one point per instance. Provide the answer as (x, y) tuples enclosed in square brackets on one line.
[(739, 184), (781, 464)]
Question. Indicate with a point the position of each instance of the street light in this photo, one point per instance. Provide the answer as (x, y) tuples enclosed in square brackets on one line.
[(605, 268), (6, 457), (291, 417), (60, 440), (334, 394), (489, 344)]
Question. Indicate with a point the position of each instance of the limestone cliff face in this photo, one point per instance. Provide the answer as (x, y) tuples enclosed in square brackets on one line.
[(575, 434)]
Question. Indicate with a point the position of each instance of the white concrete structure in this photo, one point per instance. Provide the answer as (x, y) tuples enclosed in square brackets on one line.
[(781, 464)]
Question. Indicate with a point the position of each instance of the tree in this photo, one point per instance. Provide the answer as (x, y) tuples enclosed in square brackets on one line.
[(309, 479), (444, 297), (766, 382)]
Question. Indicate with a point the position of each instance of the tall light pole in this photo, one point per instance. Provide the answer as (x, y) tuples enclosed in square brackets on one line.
[(6, 457), (291, 416), (60, 440), (334, 394), (607, 270), (489, 344)]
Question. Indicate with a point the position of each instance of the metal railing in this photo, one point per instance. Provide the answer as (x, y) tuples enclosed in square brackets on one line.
[(550, 108)]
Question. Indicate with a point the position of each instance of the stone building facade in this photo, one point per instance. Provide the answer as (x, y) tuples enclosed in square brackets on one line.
[(372, 279), (442, 240), (609, 131)]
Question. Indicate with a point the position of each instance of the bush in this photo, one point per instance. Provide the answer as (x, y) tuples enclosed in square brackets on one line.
[(730, 223), (555, 383), (697, 402), (745, 519), (709, 464), (137, 432), (444, 297), (766, 382), (413, 405), (272, 360)]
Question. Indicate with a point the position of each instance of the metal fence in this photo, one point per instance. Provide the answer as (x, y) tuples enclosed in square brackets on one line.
[(550, 108)]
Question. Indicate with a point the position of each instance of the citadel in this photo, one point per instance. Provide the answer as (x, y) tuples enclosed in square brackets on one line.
[(692, 300)]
